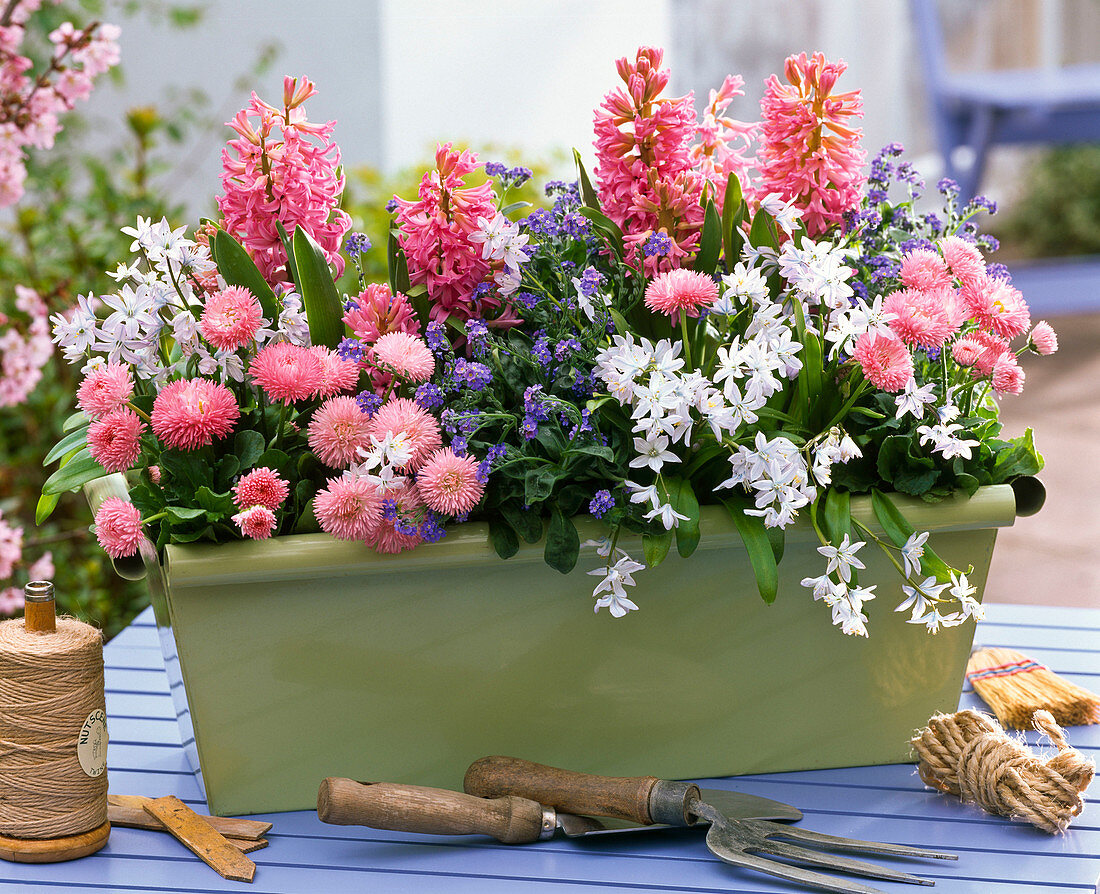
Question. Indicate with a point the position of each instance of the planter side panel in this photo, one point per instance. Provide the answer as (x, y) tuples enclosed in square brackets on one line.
[(410, 676)]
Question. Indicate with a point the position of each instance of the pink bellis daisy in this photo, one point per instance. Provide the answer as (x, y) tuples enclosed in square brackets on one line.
[(118, 527), (924, 270), (338, 429), (981, 349), (885, 361), (1043, 338), (449, 483), (114, 441), (337, 375), (406, 355), (1008, 376), (419, 426), (680, 290), (398, 532), (191, 413), (260, 487), (105, 389), (256, 522), (350, 508), (287, 372), (996, 307), (231, 318), (920, 318), (963, 259)]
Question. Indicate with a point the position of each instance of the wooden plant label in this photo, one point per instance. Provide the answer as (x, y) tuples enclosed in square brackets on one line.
[(197, 834)]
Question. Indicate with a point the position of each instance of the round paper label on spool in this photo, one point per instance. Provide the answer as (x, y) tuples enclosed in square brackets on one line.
[(91, 745)]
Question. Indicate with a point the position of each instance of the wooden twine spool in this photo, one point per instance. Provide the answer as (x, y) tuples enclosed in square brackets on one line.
[(53, 735)]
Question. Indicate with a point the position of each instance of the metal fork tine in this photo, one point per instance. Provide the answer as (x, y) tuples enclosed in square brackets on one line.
[(798, 874), (843, 864), (854, 845)]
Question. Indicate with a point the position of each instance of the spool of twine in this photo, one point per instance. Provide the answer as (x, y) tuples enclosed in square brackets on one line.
[(49, 685)]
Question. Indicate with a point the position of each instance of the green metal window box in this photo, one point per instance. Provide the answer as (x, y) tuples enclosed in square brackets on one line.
[(302, 657)]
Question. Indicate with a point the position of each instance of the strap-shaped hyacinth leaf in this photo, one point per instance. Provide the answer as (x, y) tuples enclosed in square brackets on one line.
[(320, 299), (238, 269)]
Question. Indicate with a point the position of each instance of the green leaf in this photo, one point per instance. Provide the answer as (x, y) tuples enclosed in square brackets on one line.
[(762, 232), (75, 421), (1021, 459), (838, 514), (503, 539), (248, 446), (288, 247), (710, 242), (656, 547), (731, 207), (238, 269), (592, 450), (563, 543), (777, 538), (215, 504), (76, 473), (606, 227), (588, 194), (320, 299), (758, 546), (680, 494), (185, 513), (899, 530), (526, 522), (538, 484), (277, 460), (307, 521), (46, 505), (73, 440), (515, 206), (397, 265)]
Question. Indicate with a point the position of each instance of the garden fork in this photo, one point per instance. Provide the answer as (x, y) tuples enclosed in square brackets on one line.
[(741, 842)]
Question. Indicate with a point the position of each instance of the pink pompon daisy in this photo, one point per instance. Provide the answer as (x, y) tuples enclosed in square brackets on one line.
[(231, 318), (260, 487), (337, 375), (680, 289), (118, 527), (405, 355), (191, 413), (287, 372), (154, 474), (920, 318), (256, 522), (1008, 376), (986, 349), (967, 350), (996, 306), (338, 429), (419, 426), (350, 508), (924, 270), (449, 483), (1043, 338), (114, 441), (106, 388), (885, 361), (963, 258), (384, 537)]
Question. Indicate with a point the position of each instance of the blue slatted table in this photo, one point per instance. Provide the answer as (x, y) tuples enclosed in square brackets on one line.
[(886, 803)]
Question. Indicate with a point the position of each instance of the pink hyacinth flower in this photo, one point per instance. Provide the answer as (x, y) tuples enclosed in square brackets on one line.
[(810, 151)]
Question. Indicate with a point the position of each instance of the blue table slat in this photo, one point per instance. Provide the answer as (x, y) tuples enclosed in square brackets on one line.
[(887, 803)]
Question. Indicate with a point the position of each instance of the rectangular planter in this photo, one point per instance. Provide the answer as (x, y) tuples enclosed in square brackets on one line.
[(303, 657)]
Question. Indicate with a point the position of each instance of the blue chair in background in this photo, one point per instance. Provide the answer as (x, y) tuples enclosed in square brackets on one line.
[(982, 109)]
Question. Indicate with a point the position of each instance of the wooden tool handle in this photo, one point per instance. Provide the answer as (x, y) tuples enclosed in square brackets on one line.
[(415, 808), (625, 797)]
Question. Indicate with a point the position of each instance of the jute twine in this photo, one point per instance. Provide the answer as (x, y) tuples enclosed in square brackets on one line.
[(49, 684), (968, 754)]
